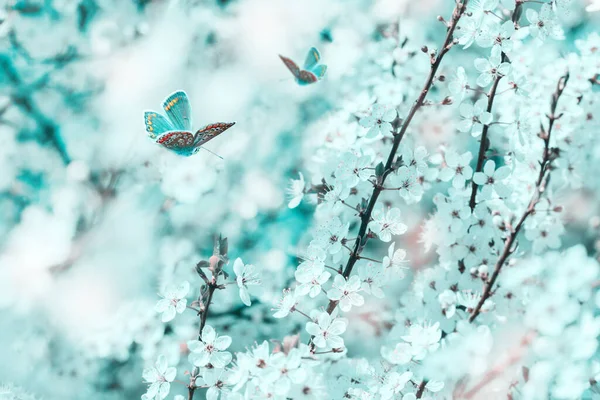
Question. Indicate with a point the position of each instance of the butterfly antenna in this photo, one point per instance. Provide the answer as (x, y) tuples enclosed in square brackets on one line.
[(213, 153)]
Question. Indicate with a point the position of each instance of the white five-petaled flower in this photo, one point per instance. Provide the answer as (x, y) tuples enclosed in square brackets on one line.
[(287, 304), (387, 224), (311, 280), (423, 338), (326, 331), (346, 292), (478, 9), (544, 24), (296, 191), (496, 34), (394, 383), (288, 370), (372, 279), (246, 275), (210, 349), (406, 181), (469, 29), (159, 377), (215, 379), (491, 179), (379, 121), (457, 168), (352, 168), (174, 301), (395, 260), (492, 67), (330, 234), (474, 117), (458, 84), (333, 198), (313, 258)]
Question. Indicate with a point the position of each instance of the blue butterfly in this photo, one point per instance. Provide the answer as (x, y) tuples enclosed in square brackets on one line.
[(311, 72), (175, 131)]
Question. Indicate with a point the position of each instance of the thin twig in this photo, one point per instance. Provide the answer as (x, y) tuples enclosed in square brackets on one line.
[(543, 176), (220, 252), (421, 389), (483, 145)]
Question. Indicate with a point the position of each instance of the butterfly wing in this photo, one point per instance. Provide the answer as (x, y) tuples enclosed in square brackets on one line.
[(306, 78), (292, 66), (319, 71), (181, 142), (312, 58), (178, 109), (210, 132), (156, 124)]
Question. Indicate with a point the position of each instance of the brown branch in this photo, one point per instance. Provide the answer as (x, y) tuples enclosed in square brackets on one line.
[(217, 263), (483, 145), (365, 215), (421, 389), (548, 156)]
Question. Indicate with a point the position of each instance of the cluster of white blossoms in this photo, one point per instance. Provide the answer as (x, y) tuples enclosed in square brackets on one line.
[(518, 126)]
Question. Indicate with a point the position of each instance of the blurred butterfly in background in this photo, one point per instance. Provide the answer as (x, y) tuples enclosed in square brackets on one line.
[(312, 70), (175, 131)]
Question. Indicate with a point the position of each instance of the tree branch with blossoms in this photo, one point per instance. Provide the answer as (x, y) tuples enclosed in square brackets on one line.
[(391, 165), (491, 95), (549, 155)]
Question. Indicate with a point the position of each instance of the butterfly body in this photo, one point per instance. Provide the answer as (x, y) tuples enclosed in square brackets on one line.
[(175, 131), (311, 71)]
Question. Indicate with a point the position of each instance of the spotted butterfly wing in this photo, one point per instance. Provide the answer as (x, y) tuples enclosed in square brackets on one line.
[(156, 124), (306, 78), (181, 142), (178, 109), (210, 132), (291, 65)]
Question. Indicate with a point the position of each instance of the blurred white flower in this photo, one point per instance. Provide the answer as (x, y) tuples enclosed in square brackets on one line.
[(311, 280), (216, 381), (296, 191), (246, 275), (423, 338), (593, 6), (379, 121), (326, 331), (394, 383), (159, 377), (287, 304), (401, 354), (174, 301), (395, 261), (346, 292)]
